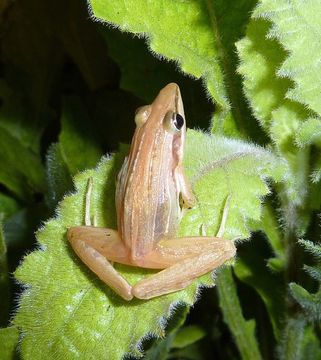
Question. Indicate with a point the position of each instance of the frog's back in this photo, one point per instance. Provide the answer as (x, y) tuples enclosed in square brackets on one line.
[(148, 198), (147, 194)]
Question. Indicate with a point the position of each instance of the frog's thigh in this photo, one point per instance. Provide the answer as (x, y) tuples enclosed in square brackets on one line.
[(190, 258), (93, 246)]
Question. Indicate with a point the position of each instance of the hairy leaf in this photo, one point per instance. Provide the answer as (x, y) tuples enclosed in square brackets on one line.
[(260, 58), (266, 90), (8, 342), (311, 344), (309, 132), (251, 268), (4, 279), (310, 303), (21, 170), (67, 311), (291, 345), (270, 226), (8, 206), (82, 42), (281, 73), (235, 167), (77, 135), (193, 40), (296, 26), (161, 348), (188, 335), (19, 119), (124, 48), (59, 179)]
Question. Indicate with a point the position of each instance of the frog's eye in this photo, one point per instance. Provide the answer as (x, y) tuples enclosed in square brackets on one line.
[(173, 121), (142, 114)]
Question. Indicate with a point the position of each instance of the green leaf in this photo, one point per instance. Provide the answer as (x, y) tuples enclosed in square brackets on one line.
[(310, 303), (160, 350), (291, 345), (188, 335), (4, 280), (20, 228), (265, 89), (83, 43), (21, 170), (31, 59), (307, 347), (316, 176), (242, 330), (59, 179), (8, 342), (311, 344), (192, 40), (76, 135), (219, 167), (273, 79), (270, 226), (191, 352), (251, 268), (313, 249), (309, 133), (296, 25), (19, 119), (314, 272), (66, 309), (162, 347), (260, 59), (8, 206), (124, 48)]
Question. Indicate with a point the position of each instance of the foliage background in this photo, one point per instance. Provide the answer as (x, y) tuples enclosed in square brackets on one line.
[(68, 83)]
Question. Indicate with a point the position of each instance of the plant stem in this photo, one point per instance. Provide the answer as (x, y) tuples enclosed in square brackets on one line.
[(242, 330)]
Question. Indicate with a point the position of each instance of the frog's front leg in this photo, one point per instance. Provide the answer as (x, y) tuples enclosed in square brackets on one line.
[(186, 192), (185, 259), (94, 246)]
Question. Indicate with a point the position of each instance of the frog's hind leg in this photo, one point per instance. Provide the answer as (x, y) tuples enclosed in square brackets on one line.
[(87, 242), (94, 246), (184, 259)]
